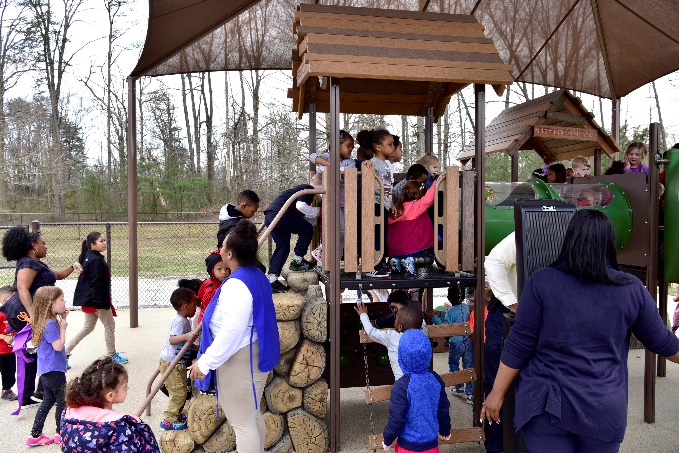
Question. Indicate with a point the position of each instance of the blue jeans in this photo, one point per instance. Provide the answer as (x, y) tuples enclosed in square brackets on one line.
[(542, 437), (465, 351)]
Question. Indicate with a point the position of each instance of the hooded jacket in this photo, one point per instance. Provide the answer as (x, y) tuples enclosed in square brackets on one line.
[(229, 216), (419, 407)]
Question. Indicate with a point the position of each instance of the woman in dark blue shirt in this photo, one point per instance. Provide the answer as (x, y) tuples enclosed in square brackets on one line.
[(569, 345)]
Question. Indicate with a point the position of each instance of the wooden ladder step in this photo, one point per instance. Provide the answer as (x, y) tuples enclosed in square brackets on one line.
[(383, 392), (457, 436), (433, 331)]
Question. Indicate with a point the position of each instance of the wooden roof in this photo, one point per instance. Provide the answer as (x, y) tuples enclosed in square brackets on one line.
[(389, 62), (557, 126)]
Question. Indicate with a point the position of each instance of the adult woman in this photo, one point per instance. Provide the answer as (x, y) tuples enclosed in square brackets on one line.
[(27, 249), (93, 293), (240, 339), (570, 348)]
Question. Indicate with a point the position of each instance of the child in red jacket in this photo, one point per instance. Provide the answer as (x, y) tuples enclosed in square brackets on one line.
[(217, 271)]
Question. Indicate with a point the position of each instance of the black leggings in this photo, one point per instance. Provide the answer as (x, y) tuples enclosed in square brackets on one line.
[(8, 369), (54, 383)]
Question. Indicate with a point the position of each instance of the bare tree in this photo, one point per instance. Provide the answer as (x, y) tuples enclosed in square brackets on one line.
[(663, 141), (192, 166)]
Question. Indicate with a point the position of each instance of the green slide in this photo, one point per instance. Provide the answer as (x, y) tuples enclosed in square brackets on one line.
[(671, 250)]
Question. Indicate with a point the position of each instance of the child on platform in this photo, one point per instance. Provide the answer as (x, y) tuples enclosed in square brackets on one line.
[(8, 362), (411, 231), (90, 423), (460, 346), (397, 155), (416, 173), (382, 144), (433, 166), (556, 173), (183, 300), (294, 221), (217, 271), (49, 333), (580, 166), (635, 153), (247, 203), (407, 318), (419, 410)]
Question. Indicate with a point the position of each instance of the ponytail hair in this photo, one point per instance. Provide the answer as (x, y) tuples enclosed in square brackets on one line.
[(102, 376), (87, 245)]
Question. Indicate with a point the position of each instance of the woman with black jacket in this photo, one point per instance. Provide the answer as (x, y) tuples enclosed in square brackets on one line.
[(93, 293)]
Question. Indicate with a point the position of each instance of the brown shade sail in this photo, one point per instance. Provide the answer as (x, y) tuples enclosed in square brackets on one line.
[(603, 47)]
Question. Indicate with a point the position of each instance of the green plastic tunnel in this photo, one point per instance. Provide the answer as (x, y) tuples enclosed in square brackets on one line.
[(671, 250)]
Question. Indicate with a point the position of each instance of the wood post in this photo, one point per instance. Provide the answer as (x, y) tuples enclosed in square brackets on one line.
[(429, 131), (652, 267), (132, 200), (597, 161), (615, 124), (312, 137), (480, 243), (515, 166), (332, 255)]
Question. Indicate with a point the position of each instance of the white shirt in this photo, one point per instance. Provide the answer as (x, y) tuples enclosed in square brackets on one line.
[(230, 325), (387, 337), (500, 268)]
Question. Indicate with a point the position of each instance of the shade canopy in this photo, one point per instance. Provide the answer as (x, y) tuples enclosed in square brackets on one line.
[(557, 126), (603, 47)]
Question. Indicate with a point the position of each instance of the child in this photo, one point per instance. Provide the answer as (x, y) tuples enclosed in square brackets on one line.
[(407, 318), (90, 423), (247, 203), (432, 164), (635, 153), (93, 293), (292, 222), (416, 173), (580, 166), (8, 363), (617, 168), (460, 346), (217, 271), (397, 299), (382, 144), (412, 232), (556, 173), (418, 408), (49, 333), (396, 156), (183, 300)]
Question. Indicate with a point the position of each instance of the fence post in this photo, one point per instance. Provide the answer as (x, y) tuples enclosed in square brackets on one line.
[(35, 226)]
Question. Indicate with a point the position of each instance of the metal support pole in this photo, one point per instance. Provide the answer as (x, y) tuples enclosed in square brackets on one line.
[(597, 161), (332, 254), (652, 267), (615, 125), (132, 200), (480, 242), (429, 131), (515, 166), (312, 137), (662, 361)]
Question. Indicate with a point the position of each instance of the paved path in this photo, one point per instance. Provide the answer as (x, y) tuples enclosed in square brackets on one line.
[(142, 345)]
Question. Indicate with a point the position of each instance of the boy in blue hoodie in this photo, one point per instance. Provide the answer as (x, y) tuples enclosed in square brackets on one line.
[(419, 408)]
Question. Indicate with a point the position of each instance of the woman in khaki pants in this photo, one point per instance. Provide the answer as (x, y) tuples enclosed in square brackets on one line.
[(239, 342)]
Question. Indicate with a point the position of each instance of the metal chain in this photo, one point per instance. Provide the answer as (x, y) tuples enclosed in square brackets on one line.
[(367, 385)]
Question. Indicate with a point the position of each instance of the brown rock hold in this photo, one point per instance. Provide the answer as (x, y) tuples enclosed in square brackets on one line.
[(285, 362), (288, 334), (283, 446), (275, 428), (299, 282), (281, 397), (223, 439), (315, 400), (288, 305), (308, 365), (202, 418), (309, 434), (315, 320), (176, 441)]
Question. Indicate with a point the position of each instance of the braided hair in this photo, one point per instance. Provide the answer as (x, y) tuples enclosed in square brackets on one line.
[(102, 376)]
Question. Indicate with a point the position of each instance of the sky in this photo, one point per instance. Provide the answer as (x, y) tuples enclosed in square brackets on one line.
[(89, 36)]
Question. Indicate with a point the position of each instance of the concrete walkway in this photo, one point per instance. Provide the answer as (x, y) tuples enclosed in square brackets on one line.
[(142, 346)]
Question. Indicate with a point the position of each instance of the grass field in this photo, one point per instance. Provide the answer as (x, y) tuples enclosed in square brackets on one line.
[(164, 249)]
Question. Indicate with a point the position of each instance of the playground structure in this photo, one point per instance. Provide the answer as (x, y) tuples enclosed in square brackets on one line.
[(340, 87)]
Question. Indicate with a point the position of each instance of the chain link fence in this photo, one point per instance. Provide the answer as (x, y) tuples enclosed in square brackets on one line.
[(167, 251)]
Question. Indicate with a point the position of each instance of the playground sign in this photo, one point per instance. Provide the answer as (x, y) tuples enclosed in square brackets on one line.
[(569, 133)]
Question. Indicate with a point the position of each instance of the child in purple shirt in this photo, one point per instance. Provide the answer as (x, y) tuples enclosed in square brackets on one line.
[(635, 153), (49, 333)]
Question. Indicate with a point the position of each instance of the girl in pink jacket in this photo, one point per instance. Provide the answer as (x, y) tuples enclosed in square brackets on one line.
[(411, 233)]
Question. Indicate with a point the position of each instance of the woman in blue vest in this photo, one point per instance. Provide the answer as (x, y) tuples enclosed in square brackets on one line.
[(569, 345), (239, 342)]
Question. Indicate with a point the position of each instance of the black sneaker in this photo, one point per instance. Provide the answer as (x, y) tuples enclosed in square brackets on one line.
[(9, 395), (38, 396), (301, 266), (278, 287), (29, 403), (379, 272)]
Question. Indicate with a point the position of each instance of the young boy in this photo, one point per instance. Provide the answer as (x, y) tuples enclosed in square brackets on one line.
[(419, 411), (432, 164), (183, 300), (580, 166), (407, 318), (417, 173), (247, 203), (460, 346), (8, 362), (396, 300), (296, 220)]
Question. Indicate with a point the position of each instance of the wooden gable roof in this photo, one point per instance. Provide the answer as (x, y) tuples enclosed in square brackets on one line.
[(389, 62), (557, 126)]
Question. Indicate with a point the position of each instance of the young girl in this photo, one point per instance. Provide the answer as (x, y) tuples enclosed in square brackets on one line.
[(382, 144), (556, 173), (91, 424), (636, 152), (93, 293), (49, 333), (218, 272), (411, 232)]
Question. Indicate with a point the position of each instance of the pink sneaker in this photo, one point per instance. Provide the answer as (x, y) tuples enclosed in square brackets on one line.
[(57, 439), (40, 440)]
